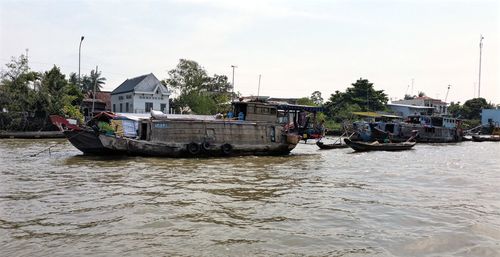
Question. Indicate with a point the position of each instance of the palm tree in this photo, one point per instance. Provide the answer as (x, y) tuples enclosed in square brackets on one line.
[(95, 79)]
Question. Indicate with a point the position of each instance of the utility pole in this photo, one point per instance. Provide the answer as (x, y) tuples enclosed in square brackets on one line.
[(258, 89), (93, 95), (480, 53), (79, 59), (233, 66), (447, 91), (412, 80)]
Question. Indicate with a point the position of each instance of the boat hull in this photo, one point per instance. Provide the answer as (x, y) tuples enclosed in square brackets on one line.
[(363, 146), (137, 147), (485, 138), (87, 141), (324, 146)]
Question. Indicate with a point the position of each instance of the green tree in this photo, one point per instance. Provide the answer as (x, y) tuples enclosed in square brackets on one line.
[(89, 81), (306, 101), (472, 108), (198, 92), (361, 94), (455, 109), (317, 98), (30, 97)]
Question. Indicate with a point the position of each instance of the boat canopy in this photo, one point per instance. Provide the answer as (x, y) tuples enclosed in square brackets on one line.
[(295, 107)]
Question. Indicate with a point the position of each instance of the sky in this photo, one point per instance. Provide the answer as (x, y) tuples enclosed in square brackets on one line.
[(297, 47)]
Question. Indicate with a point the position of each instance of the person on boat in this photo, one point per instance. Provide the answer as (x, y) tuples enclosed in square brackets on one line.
[(241, 116), (230, 115)]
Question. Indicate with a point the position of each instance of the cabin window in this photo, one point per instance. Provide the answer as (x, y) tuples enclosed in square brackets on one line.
[(263, 110), (430, 129)]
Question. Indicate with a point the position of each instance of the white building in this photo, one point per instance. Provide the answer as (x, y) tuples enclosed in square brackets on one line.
[(439, 106), (405, 110), (140, 95)]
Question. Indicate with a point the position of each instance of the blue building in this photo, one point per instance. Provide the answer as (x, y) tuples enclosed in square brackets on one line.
[(490, 116)]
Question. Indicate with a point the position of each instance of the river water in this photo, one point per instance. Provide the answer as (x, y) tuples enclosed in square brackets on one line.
[(435, 200)]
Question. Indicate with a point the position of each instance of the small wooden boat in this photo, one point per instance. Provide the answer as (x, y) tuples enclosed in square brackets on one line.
[(484, 138), (324, 146), (376, 146)]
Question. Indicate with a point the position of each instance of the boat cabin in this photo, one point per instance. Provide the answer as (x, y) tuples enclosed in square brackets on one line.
[(294, 118)]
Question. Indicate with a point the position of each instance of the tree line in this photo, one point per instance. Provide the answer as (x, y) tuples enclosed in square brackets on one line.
[(27, 97)]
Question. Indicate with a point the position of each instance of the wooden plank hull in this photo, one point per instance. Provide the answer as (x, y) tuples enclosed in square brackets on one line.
[(87, 141), (165, 149), (363, 146)]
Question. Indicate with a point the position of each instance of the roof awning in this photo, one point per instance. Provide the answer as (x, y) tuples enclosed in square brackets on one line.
[(367, 114), (376, 115)]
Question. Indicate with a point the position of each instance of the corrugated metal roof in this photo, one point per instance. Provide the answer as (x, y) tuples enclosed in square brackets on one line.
[(129, 85)]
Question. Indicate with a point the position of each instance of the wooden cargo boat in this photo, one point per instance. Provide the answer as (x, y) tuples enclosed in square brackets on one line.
[(261, 129), (376, 146), (431, 129)]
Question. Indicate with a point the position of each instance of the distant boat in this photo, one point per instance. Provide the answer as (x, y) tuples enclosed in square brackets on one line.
[(376, 146), (484, 138), (431, 129), (324, 146)]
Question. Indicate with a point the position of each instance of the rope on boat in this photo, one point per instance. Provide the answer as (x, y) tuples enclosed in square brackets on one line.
[(48, 148)]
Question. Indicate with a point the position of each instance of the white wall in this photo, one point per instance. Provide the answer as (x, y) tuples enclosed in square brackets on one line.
[(137, 102), (141, 99)]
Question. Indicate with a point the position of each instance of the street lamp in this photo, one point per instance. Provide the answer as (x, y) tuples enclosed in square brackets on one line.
[(233, 66), (79, 57)]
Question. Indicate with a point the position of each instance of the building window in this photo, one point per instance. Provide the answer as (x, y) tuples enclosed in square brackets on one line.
[(162, 107), (121, 107), (149, 106), (120, 97), (129, 96), (126, 107), (114, 107)]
